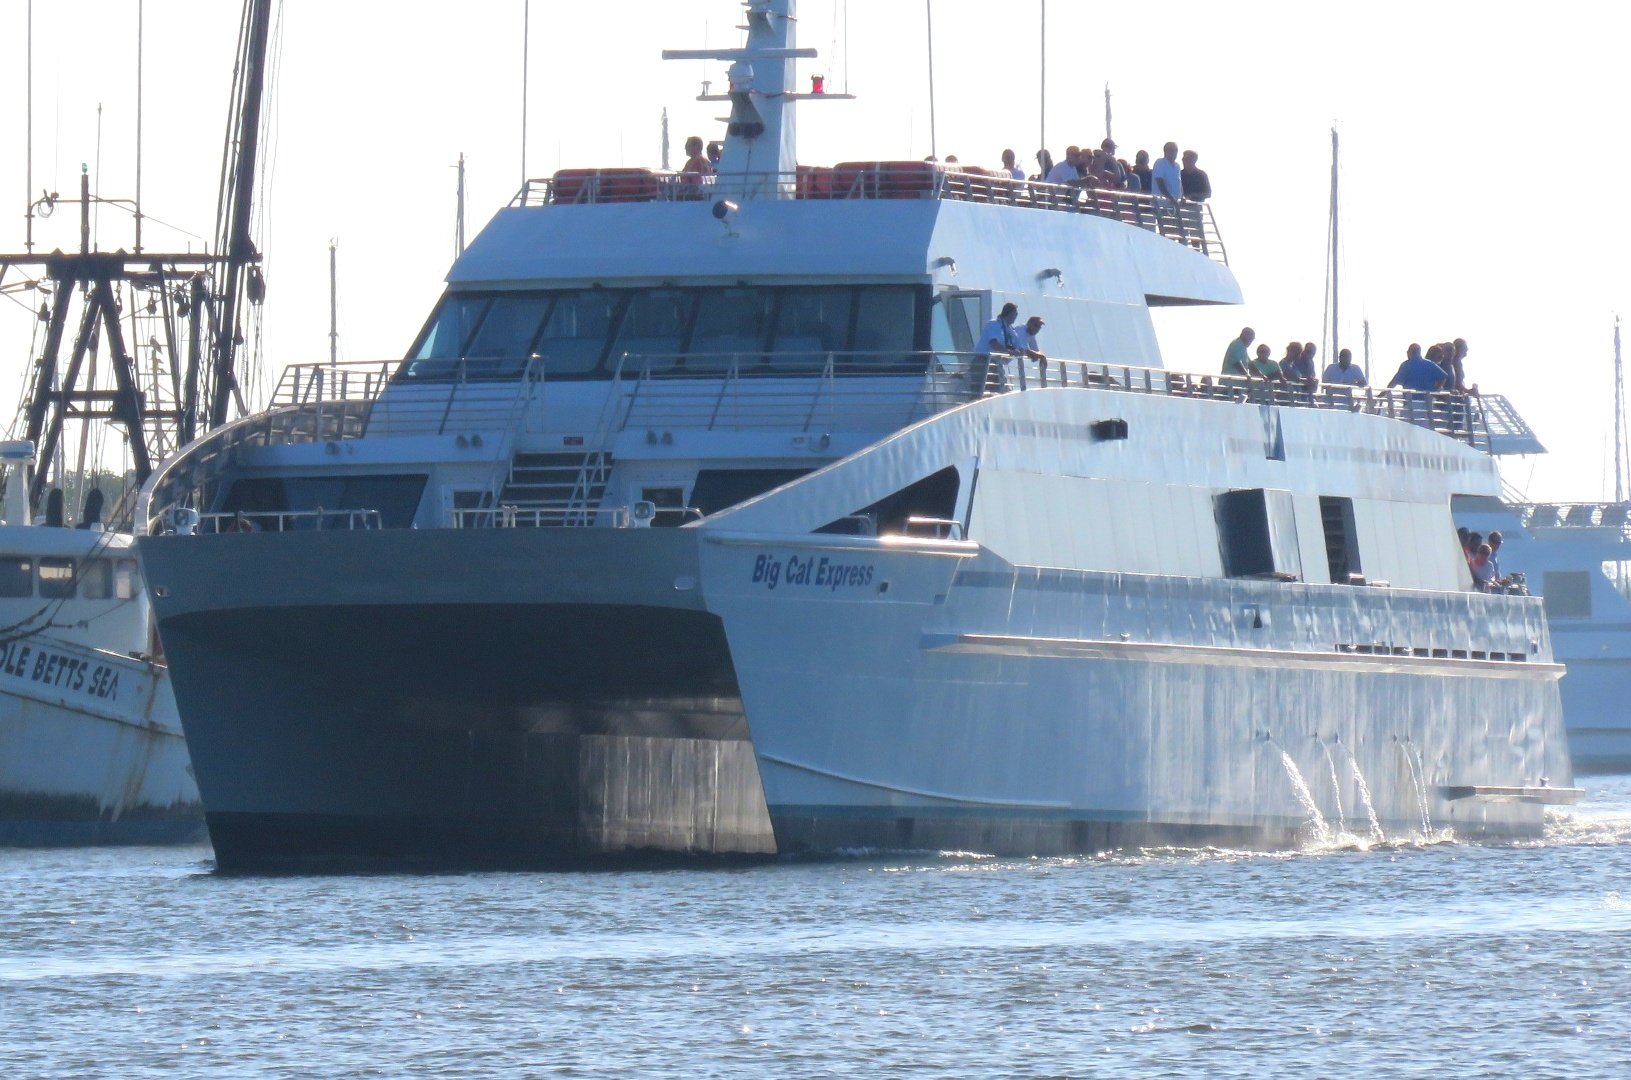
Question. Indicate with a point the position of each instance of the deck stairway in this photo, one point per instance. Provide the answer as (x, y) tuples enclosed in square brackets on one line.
[(556, 489)]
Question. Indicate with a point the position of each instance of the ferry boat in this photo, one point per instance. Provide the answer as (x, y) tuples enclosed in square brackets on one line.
[(91, 748), (698, 521), (1577, 558)]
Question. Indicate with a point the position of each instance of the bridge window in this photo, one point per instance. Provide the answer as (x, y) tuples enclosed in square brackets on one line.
[(654, 324), (446, 336), (509, 327), (96, 580), (732, 324), (586, 333), (56, 579), (813, 320), (16, 576), (575, 335)]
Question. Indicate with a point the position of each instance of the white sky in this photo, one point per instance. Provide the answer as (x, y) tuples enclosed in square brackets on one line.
[(1480, 142)]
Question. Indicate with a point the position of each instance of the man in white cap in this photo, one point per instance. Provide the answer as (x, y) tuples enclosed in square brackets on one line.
[(1025, 339)]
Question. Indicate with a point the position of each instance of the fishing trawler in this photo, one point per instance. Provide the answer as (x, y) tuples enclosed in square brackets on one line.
[(91, 749), (698, 520), (136, 351)]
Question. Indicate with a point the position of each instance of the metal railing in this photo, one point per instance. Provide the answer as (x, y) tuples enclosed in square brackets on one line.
[(559, 512), (811, 393), (1189, 223), (788, 391), (428, 397), (319, 520)]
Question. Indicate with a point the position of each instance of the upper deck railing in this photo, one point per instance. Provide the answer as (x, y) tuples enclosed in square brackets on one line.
[(1188, 223), (808, 392)]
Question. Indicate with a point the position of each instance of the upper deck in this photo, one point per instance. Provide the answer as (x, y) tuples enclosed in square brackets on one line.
[(1188, 223)]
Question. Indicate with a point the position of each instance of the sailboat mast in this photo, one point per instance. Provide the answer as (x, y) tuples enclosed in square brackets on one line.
[(1336, 344), (333, 304), (1619, 418)]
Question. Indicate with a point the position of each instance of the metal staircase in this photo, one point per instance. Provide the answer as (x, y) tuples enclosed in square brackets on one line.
[(548, 489)]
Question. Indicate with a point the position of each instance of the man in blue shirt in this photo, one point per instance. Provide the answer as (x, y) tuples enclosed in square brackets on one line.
[(1418, 373), (997, 337)]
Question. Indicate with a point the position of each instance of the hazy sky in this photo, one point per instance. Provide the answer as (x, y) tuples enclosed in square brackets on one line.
[(1480, 147)]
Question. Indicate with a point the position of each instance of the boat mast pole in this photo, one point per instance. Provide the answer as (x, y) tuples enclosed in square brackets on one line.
[(526, 35), (1042, 83), (28, 179), (1336, 344), (1619, 418), (928, 14), (333, 305), (141, 6), (240, 248)]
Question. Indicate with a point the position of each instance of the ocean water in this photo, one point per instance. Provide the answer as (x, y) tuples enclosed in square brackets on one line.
[(1415, 956)]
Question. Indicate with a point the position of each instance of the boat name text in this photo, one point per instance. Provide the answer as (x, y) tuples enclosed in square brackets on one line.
[(30, 664), (816, 571)]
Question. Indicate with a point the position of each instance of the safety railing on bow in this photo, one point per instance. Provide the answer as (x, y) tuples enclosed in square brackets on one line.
[(1189, 223)]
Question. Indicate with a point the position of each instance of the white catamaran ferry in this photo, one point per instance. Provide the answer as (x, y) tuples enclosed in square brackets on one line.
[(696, 522)]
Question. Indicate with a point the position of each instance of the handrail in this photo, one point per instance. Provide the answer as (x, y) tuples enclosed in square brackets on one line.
[(1189, 223), (253, 521)]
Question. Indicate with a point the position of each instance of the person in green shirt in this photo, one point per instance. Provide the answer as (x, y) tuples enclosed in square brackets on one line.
[(1236, 357), (1266, 367)]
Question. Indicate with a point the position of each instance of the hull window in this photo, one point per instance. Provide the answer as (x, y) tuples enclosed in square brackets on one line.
[(1341, 544), (1257, 534)]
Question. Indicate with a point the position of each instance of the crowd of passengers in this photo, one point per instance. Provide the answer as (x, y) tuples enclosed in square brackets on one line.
[(1483, 559), (1443, 368), (1097, 169)]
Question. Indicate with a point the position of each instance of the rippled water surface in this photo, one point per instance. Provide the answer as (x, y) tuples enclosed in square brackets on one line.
[(1410, 957)]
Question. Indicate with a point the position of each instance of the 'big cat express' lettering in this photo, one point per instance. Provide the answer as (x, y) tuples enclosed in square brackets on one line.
[(814, 571)]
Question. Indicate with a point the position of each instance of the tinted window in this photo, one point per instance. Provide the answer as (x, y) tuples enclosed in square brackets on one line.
[(509, 327), (1566, 593), (447, 335), (16, 576), (96, 580), (654, 325), (56, 578), (884, 323), (813, 321), (575, 335), (731, 324)]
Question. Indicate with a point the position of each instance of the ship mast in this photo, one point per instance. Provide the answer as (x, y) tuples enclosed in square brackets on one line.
[(1620, 462), (115, 303), (237, 190)]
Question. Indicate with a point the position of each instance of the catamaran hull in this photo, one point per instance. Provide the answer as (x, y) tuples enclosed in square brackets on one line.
[(90, 750), (562, 695)]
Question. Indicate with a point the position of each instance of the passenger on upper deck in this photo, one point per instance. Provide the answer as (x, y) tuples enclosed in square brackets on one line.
[(1483, 570), (696, 164), (1167, 182), (1025, 338), (1068, 171), (1196, 184), (1265, 365), (1141, 169), (1458, 368), (997, 337), (1112, 167), (1044, 165), (716, 151), (1417, 372), (1014, 171), (1238, 354), (1345, 372), (1291, 364)]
